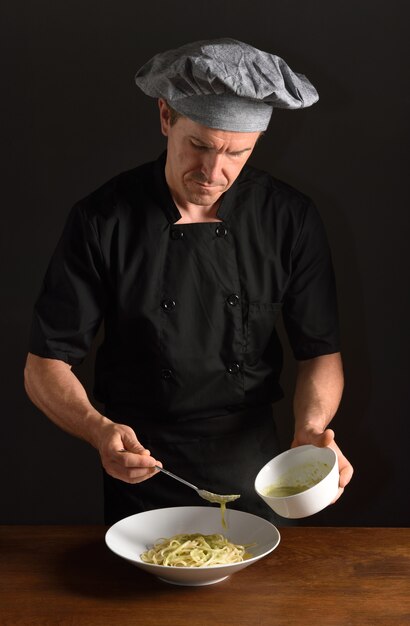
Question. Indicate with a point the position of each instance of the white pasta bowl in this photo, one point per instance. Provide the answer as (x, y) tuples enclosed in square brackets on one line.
[(301, 466), (133, 535)]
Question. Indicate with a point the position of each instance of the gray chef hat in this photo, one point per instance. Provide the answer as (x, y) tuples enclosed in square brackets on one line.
[(225, 84)]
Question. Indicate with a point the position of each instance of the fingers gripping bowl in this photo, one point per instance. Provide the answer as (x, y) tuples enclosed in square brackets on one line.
[(132, 536)]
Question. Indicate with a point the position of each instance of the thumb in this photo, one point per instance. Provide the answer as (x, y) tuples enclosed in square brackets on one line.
[(131, 444), (323, 439)]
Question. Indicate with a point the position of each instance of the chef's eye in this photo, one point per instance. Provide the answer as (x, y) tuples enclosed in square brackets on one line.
[(198, 147)]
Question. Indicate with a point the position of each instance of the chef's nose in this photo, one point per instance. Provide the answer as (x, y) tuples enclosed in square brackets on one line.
[(212, 166)]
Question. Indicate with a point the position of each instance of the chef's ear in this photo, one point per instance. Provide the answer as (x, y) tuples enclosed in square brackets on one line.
[(164, 116)]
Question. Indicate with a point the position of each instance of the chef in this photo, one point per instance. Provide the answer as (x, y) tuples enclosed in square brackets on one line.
[(188, 262)]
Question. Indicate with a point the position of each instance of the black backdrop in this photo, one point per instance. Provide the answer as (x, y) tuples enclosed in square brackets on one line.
[(72, 118)]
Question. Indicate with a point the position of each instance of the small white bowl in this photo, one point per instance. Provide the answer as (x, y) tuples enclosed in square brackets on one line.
[(300, 466), (131, 536)]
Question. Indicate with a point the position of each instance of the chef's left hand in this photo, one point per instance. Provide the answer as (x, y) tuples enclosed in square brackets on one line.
[(326, 438)]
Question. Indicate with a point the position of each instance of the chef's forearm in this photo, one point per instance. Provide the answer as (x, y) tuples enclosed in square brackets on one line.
[(57, 392), (319, 388)]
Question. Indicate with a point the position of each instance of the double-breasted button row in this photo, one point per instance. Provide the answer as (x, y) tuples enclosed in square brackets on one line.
[(168, 304), (232, 368), (220, 231)]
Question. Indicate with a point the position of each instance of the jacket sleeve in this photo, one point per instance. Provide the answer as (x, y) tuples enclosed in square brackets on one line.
[(70, 307), (310, 305)]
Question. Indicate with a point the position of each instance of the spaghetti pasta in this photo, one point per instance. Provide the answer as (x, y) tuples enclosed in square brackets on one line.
[(195, 550)]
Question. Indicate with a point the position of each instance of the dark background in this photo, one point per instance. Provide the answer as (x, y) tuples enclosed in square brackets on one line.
[(72, 118)]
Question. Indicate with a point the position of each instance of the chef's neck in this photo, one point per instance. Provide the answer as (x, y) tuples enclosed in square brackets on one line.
[(191, 213)]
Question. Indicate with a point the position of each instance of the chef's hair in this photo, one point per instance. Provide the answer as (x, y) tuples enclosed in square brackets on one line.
[(173, 115)]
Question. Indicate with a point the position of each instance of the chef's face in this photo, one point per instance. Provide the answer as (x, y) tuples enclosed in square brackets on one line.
[(202, 163)]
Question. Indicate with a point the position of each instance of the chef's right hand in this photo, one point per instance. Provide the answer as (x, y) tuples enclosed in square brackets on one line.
[(123, 456)]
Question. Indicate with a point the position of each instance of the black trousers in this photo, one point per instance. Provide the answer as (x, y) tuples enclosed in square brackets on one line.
[(222, 454)]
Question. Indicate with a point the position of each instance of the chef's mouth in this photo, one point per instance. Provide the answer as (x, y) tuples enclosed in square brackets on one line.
[(206, 185)]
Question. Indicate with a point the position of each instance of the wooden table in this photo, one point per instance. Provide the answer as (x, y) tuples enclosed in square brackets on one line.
[(65, 575)]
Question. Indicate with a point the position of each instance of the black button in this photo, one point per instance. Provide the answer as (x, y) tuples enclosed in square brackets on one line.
[(166, 374), (233, 368), (176, 234), (168, 304), (221, 231), (233, 299)]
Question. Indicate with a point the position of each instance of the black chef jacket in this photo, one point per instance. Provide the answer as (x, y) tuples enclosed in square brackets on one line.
[(189, 310), (189, 315)]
